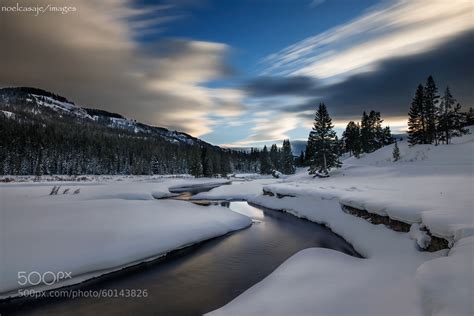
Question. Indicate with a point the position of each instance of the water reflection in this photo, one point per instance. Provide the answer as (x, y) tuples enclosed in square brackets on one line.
[(250, 211)]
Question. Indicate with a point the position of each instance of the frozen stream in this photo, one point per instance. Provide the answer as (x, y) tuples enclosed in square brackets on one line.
[(200, 278)]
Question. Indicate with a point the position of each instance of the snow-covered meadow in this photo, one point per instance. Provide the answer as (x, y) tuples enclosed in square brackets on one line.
[(430, 186), (106, 226), (115, 222)]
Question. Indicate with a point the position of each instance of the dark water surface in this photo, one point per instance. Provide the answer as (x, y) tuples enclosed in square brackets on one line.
[(200, 278)]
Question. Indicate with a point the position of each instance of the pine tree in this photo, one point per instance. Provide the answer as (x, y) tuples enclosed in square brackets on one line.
[(275, 157), (387, 136), (225, 167), (430, 110), (351, 138), (216, 163), (451, 120), (207, 162), (365, 134), (265, 163), (323, 138), (469, 117), (396, 152), (288, 166), (378, 131), (371, 132), (445, 117), (338, 146), (309, 152), (195, 168), (458, 122), (416, 120), (301, 159)]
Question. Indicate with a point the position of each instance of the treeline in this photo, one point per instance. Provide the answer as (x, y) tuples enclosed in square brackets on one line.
[(361, 137), (277, 159), (206, 162), (24, 91), (34, 148), (366, 136), (37, 140), (433, 119), (324, 148)]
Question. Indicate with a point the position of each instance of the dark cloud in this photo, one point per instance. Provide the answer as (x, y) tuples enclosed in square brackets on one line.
[(388, 89), (273, 86)]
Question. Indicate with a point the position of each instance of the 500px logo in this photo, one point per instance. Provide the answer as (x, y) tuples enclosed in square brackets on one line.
[(47, 278)]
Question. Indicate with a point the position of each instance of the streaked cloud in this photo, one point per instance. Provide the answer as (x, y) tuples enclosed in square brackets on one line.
[(397, 29), (373, 62), (316, 3), (268, 127), (91, 56)]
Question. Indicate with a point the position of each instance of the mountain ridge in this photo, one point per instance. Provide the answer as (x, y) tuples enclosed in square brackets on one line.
[(43, 98), (45, 133)]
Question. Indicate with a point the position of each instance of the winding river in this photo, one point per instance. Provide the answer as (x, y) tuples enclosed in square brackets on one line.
[(200, 278)]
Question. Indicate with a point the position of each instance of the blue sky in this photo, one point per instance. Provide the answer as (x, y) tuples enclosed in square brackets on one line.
[(254, 28), (240, 72)]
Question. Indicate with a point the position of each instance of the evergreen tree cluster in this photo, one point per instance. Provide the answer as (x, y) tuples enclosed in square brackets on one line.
[(366, 136), (32, 147), (324, 149), (38, 140), (277, 159), (432, 119)]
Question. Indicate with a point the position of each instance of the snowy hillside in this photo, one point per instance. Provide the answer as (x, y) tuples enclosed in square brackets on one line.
[(38, 102), (59, 106), (46, 134), (459, 152)]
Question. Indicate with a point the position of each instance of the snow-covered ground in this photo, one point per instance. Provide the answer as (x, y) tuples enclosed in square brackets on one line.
[(430, 186), (105, 227)]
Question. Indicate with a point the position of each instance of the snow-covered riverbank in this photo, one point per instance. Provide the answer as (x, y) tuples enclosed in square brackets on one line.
[(430, 186), (105, 227), (112, 224)]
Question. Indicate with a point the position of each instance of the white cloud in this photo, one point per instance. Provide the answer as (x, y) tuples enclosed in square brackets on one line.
[(316, 3), (400, 29), (91, 56), (269, 128)]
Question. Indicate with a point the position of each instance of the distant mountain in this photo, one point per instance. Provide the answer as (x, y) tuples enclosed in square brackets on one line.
[(43, 132), (297, 146), (400, 136), (40, 102)]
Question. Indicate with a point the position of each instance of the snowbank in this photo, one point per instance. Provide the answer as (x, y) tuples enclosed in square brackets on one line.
[(430, 186), (103, 228), (325, 282), (198, 186), (320, 281), (236, 191), (447, 283)]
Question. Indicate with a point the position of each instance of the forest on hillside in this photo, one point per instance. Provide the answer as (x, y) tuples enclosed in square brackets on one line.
[(37, 140)]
